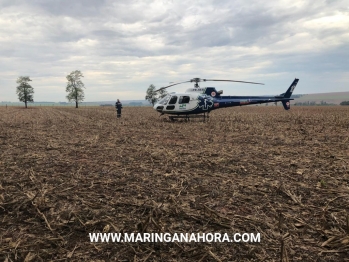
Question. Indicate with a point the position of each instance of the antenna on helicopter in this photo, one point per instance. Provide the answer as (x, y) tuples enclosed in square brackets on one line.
[(197, 80)]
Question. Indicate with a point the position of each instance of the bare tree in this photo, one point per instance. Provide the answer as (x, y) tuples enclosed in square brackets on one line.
[(25, 91), (153, 96), (75, 87)]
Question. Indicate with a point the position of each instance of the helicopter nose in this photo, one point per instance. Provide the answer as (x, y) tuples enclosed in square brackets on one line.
[(158, 107)]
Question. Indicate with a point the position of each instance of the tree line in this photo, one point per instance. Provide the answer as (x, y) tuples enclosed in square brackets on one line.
[(322, 103), (74, 88)]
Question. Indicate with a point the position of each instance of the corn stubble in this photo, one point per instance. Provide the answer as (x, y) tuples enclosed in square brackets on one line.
[(67, 172)]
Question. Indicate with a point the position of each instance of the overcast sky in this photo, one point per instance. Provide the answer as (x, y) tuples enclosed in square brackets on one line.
[(122, 47)]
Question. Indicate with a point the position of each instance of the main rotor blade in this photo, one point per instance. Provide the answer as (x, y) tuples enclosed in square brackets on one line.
[(233, 81), (171, 85)]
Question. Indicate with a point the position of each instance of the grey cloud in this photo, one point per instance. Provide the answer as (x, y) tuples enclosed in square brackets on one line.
[(80, 8), (50, 38), (106, 34)]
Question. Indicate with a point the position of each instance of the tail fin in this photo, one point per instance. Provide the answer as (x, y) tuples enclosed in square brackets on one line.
[(286, 104), (290, 89), (287, 94)]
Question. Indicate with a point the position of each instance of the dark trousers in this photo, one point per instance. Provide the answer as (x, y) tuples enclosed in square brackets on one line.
[(118, 113)]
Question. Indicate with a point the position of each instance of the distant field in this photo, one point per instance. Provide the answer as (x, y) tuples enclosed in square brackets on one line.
[(334, 98), (82, 105), (66, 172), (330, 98)]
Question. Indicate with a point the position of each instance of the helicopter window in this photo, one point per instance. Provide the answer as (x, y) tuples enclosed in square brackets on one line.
[(173, 100), (164, 100), (184, 100)]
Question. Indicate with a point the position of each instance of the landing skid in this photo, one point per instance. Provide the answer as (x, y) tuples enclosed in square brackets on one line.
[(188, 117)]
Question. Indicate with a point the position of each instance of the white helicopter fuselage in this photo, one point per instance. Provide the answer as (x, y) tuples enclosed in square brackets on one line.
[(180, 103)]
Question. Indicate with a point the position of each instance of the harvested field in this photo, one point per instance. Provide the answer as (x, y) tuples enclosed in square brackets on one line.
[(68, 172)]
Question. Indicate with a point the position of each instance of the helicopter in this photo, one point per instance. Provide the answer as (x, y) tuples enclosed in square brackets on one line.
[(199, 102)]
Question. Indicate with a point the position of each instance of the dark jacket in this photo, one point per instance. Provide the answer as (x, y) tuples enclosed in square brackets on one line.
[(118, 106)]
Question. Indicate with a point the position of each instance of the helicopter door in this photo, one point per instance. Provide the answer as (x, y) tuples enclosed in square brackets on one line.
[(183, 101), (171, 103)]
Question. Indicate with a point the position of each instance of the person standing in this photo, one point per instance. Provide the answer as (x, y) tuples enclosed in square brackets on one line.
[(118, 107)]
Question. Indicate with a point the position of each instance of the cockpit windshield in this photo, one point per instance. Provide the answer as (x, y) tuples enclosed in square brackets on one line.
[(164, 100)]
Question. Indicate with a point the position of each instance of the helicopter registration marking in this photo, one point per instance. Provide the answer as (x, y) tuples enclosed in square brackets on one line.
[(197, 89)]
